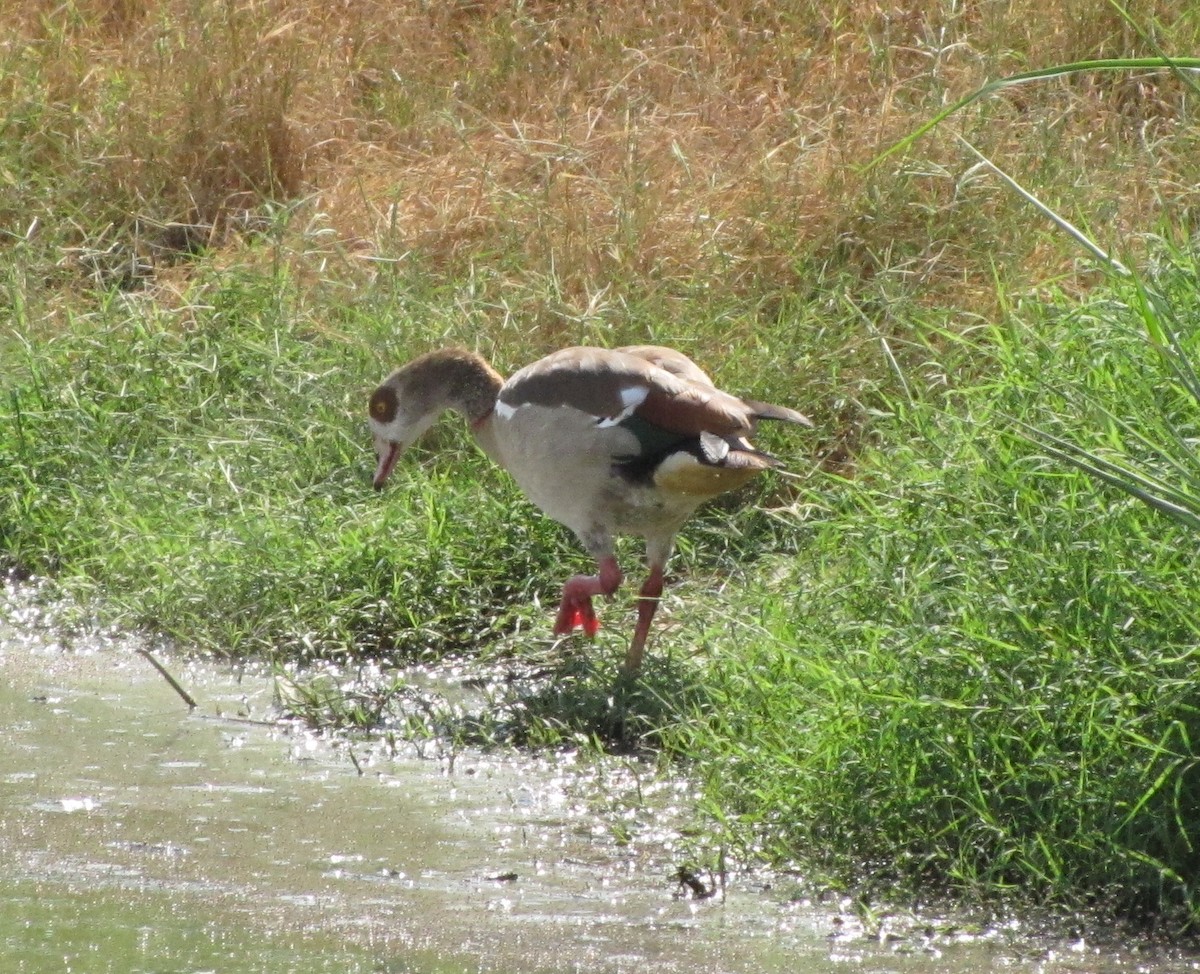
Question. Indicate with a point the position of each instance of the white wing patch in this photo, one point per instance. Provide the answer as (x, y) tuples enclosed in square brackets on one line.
[(714, 447), (631, 398)]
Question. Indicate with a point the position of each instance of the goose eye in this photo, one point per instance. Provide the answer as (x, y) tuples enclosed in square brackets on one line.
[(383, 405)]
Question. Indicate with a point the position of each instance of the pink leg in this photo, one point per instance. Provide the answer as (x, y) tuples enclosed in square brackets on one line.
[(647, 605), (576, 610)]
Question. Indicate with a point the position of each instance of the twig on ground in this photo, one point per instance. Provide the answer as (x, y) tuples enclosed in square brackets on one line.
[(187, 697)]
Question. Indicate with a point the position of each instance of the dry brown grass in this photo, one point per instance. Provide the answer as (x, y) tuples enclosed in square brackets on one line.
[(614, 150)]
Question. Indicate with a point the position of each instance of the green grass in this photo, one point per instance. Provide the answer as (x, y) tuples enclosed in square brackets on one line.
[(205, 472), (210, 476), (980, 674), (968, 667), (956, 649)]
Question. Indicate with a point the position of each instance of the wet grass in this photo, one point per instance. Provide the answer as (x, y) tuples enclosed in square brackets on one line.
[(563, 697)]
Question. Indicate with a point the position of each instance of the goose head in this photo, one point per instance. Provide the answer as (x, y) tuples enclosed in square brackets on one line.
[(412, 398)]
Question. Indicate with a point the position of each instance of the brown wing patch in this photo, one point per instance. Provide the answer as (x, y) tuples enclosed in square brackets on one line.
[(596, 394), (671, 360), (605, 383), (692, 411)]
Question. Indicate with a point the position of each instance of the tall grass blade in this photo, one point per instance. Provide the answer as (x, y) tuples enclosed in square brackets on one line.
[(1055, 217), (1174, 449), (1156, 314), (1178, 65), (1173, 63), (1151, 490)]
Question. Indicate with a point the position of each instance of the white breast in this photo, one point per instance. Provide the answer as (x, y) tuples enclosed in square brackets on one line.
[(563, 460)]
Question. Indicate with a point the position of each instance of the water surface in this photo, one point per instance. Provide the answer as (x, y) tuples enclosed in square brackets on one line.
[(136, 836)]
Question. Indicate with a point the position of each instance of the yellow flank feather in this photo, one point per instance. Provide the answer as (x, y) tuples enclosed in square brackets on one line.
[(683, 473)]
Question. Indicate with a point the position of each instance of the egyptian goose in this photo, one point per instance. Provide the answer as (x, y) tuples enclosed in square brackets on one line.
[(622, 441)]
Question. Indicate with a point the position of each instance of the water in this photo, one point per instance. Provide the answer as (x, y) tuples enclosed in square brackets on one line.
[(138, 837)]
